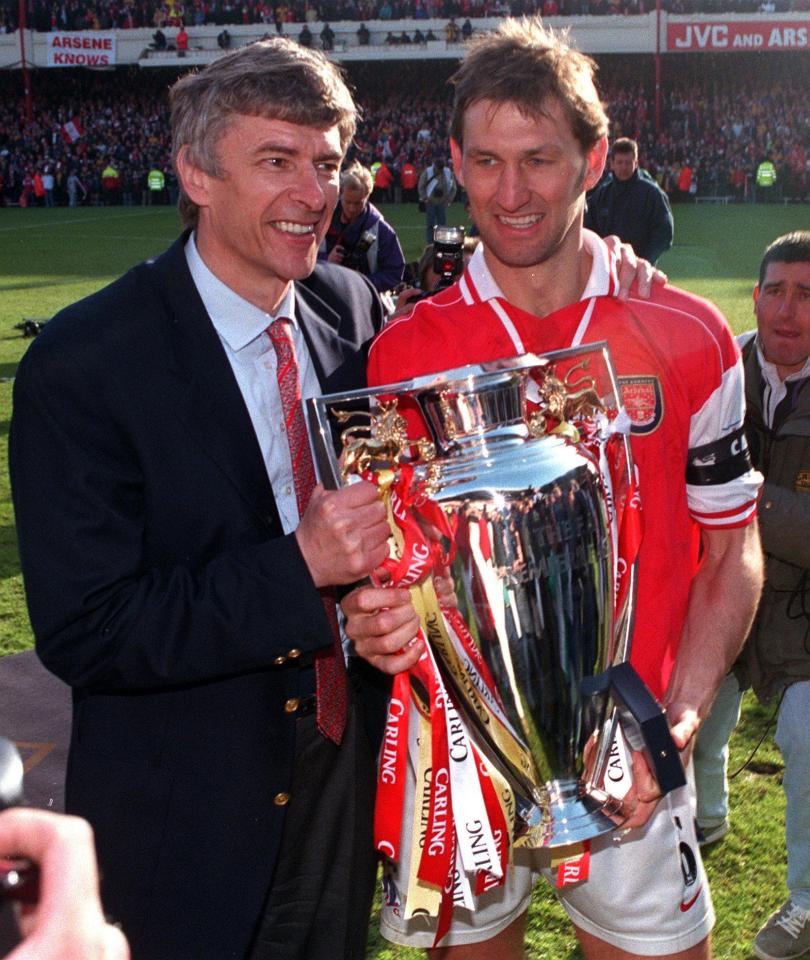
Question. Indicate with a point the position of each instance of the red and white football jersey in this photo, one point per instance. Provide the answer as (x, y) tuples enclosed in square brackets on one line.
[(681, 382)]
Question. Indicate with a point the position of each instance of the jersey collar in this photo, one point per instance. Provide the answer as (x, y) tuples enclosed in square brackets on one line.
[(478, 285)]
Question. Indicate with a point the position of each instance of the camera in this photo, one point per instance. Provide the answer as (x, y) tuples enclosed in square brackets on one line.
[(448, 254), (355, 259), (19, 878)]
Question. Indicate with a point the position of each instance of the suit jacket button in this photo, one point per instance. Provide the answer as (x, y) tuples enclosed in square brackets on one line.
[(294, 654), (281, 799), (291, 705), (279, 661)]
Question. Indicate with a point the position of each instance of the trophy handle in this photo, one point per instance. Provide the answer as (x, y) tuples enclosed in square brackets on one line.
[(643, 721)]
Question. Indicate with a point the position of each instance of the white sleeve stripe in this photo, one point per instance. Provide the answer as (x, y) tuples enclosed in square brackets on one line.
[(723, 411), (734, 520)]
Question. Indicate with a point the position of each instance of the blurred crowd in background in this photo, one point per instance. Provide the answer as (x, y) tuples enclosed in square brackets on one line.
[(103, 138), (44, 15)]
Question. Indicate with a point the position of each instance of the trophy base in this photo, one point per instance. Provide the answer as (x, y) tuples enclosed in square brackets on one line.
[(567, 816)]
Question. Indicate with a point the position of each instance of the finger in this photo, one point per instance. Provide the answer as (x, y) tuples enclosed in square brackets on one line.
[(396, 663), (384, 633), (659, 276), (355, 494), (115, 944), (63, 848), (627, 272), (644, 279), (371, 599)]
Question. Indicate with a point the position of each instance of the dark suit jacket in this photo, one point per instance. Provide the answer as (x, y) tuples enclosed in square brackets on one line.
[(162, 589)]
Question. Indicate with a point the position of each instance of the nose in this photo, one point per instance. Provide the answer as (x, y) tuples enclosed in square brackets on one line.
[(310, 189), (787, 304), (512, 189)]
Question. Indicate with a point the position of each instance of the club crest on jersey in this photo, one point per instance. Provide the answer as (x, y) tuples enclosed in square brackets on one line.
[(643, 401)]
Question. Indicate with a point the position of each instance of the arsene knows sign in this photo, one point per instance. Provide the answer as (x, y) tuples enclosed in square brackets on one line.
[(81, 49), (738, 35)]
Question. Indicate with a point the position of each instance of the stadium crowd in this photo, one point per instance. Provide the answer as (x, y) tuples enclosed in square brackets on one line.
[(96, 139), (46, 15)]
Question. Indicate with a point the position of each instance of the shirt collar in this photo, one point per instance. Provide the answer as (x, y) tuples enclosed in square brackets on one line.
[(602, 280), (771, 374), (238, 321)]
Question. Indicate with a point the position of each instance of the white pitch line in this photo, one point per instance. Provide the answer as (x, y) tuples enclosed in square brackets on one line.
[(59, 223)]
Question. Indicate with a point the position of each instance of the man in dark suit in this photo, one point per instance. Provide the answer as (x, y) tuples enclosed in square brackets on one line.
[(178, 557)]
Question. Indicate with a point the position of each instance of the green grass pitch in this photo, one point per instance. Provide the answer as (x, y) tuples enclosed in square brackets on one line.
[(49, 258)]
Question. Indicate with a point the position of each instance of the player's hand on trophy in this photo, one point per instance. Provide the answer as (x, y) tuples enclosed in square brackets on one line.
[(633, 269), (643, 796), (343, 534), (684, 721), (383, 624)]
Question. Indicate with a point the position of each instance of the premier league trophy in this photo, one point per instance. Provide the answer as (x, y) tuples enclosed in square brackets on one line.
[(515, 523)]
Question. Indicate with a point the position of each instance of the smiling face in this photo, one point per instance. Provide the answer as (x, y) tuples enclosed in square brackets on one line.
[(782, 308), (526, 178), (262, 219)]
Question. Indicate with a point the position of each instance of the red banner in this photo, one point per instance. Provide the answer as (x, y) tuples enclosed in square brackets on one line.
[(736, 35)]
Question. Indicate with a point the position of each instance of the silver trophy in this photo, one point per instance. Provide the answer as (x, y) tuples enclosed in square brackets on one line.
[(520, 484)]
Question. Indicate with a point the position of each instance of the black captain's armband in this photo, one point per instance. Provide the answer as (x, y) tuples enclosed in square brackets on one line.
[(720, 461)]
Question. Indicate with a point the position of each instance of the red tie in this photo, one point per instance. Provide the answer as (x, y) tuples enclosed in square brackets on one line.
[(330, 669)]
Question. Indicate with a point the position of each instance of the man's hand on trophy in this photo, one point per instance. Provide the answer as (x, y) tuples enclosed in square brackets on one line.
[(633, 269), (343, 535), (383, 624)]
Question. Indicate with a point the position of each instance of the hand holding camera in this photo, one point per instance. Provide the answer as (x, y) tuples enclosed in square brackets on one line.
[(59, 909)]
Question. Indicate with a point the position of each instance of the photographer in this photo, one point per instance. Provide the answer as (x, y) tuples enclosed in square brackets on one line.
[(358, 237), (437, 188)]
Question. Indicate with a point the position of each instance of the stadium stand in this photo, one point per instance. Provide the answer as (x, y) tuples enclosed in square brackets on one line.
[(44, 16), (720, 117)]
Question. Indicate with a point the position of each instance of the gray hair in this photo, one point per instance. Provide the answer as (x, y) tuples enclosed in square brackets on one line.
[(357, 176), (277, 79)]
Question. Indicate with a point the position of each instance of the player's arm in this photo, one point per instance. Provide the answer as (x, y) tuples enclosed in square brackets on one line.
[(722, 603), (722, 491)]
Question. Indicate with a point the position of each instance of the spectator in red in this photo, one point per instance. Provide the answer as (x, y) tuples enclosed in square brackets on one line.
[(39, 189), (383, 180), (684, 182), (408, 179), (181, 42)]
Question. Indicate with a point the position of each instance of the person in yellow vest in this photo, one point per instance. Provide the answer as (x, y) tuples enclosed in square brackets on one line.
[(156, 183), (110, 185), (765, 182)]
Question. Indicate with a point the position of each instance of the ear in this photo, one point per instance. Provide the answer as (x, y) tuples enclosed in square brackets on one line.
[(455, 153), (756, 295), (595, 163), (193, 179)]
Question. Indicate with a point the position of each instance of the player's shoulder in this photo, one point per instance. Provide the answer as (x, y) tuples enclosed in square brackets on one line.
[(423, 319), (696, 315)]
